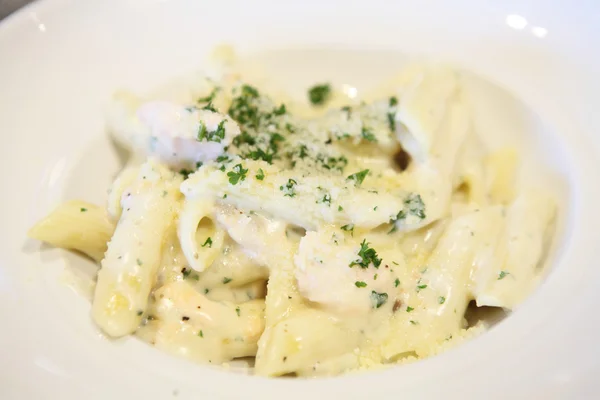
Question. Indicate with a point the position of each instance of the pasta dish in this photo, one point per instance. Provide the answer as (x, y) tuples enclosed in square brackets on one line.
[(313, 238)]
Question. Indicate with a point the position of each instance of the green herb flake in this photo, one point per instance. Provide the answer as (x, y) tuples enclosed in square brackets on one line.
[(249, 91), (441, 300), (214, 136), (360, 284), (367, 135), (237, 311), (502, 275), (200, 333), (208, 242), (226, 280), (139, 313), (83, 209), (236, 174), (348, 228), (367, 256), (413, 205), (340, 208), (326, 199), (319, 94), (289, 188), (413, 322), (210, 107), (409, 309), (391, 115), (185, 173), (280, 110), (210, 97), (378, 299), (421, 287), (139, 262), (260, 175), (358, 177), (397, 282)]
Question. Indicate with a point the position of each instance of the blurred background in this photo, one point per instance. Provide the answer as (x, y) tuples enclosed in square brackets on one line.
[(9, 6)]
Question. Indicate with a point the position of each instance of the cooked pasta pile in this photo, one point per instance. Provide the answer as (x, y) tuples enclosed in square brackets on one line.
[(239, 228)]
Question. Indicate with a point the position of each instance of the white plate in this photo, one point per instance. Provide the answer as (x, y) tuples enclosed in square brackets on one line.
[(59, 62)]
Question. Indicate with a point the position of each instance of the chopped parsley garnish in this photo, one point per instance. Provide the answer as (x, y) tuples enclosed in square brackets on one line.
[(223, 158), (83, 209), (421, 287), (441, 300), (396, 282), (249, 91), (378, 299), (502, 275), (367, 135), (409, 309), (215, 136), (340, 208), (186, 272), (319, 94), (358, 177), (260, 175), (236, 174), (244, 138), (332, 163), (140, 312), (326, 199), (244, 109), (185, 173), (348, 228), (226, 280), (413, 205), (210, 97), (237, 311), (200, 333), (210, 107), (208, 242), (139, 262), (289, 188), (367, 256), (391, 116), (360, 284), (413, 322), (260, 154), (280, 110)]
